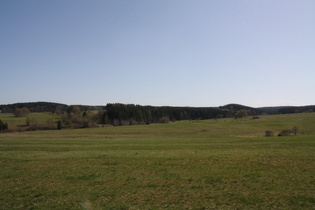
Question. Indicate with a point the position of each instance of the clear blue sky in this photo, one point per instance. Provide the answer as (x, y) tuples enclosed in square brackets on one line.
[(163, 52)]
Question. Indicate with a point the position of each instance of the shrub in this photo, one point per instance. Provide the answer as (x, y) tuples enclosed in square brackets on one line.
[(285, 132), (290, 132), (89, 123), (269, 133), (3, 126)]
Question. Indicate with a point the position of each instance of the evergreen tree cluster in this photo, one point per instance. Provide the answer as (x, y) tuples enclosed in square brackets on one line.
[(129, 114)]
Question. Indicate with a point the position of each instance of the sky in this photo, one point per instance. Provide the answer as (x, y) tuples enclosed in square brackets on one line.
[(201, 53)]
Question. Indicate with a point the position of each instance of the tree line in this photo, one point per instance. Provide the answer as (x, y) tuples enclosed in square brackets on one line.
[(118, 114), (287, 109), (59, 108), (130, 114)]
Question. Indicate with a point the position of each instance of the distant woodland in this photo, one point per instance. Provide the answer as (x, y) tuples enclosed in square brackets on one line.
[(117, 114), (52, 107)]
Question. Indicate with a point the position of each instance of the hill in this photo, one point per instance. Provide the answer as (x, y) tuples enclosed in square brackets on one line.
[(33, 107), (45, 107), (51, 106), (236, 107), (129, 114)]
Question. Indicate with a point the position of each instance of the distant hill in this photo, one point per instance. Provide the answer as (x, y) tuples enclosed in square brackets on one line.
[(232, 108), (33, 107), (236, 107), (45, 107)]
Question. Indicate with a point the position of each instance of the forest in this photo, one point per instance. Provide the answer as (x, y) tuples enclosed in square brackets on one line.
[(122, 114)]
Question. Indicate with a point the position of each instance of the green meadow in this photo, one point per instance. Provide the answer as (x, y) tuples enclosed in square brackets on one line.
[(201, 164)]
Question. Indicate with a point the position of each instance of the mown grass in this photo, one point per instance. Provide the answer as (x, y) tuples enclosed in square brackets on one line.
[(223, 164)]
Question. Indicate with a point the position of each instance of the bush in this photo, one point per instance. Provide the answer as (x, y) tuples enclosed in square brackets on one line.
[(290, 132), (269, 133), (89, 123), (286, 132)]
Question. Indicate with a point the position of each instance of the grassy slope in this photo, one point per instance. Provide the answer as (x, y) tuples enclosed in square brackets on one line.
[(197, 164)]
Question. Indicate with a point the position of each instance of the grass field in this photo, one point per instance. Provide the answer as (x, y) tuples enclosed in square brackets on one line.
[(208, 164)]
